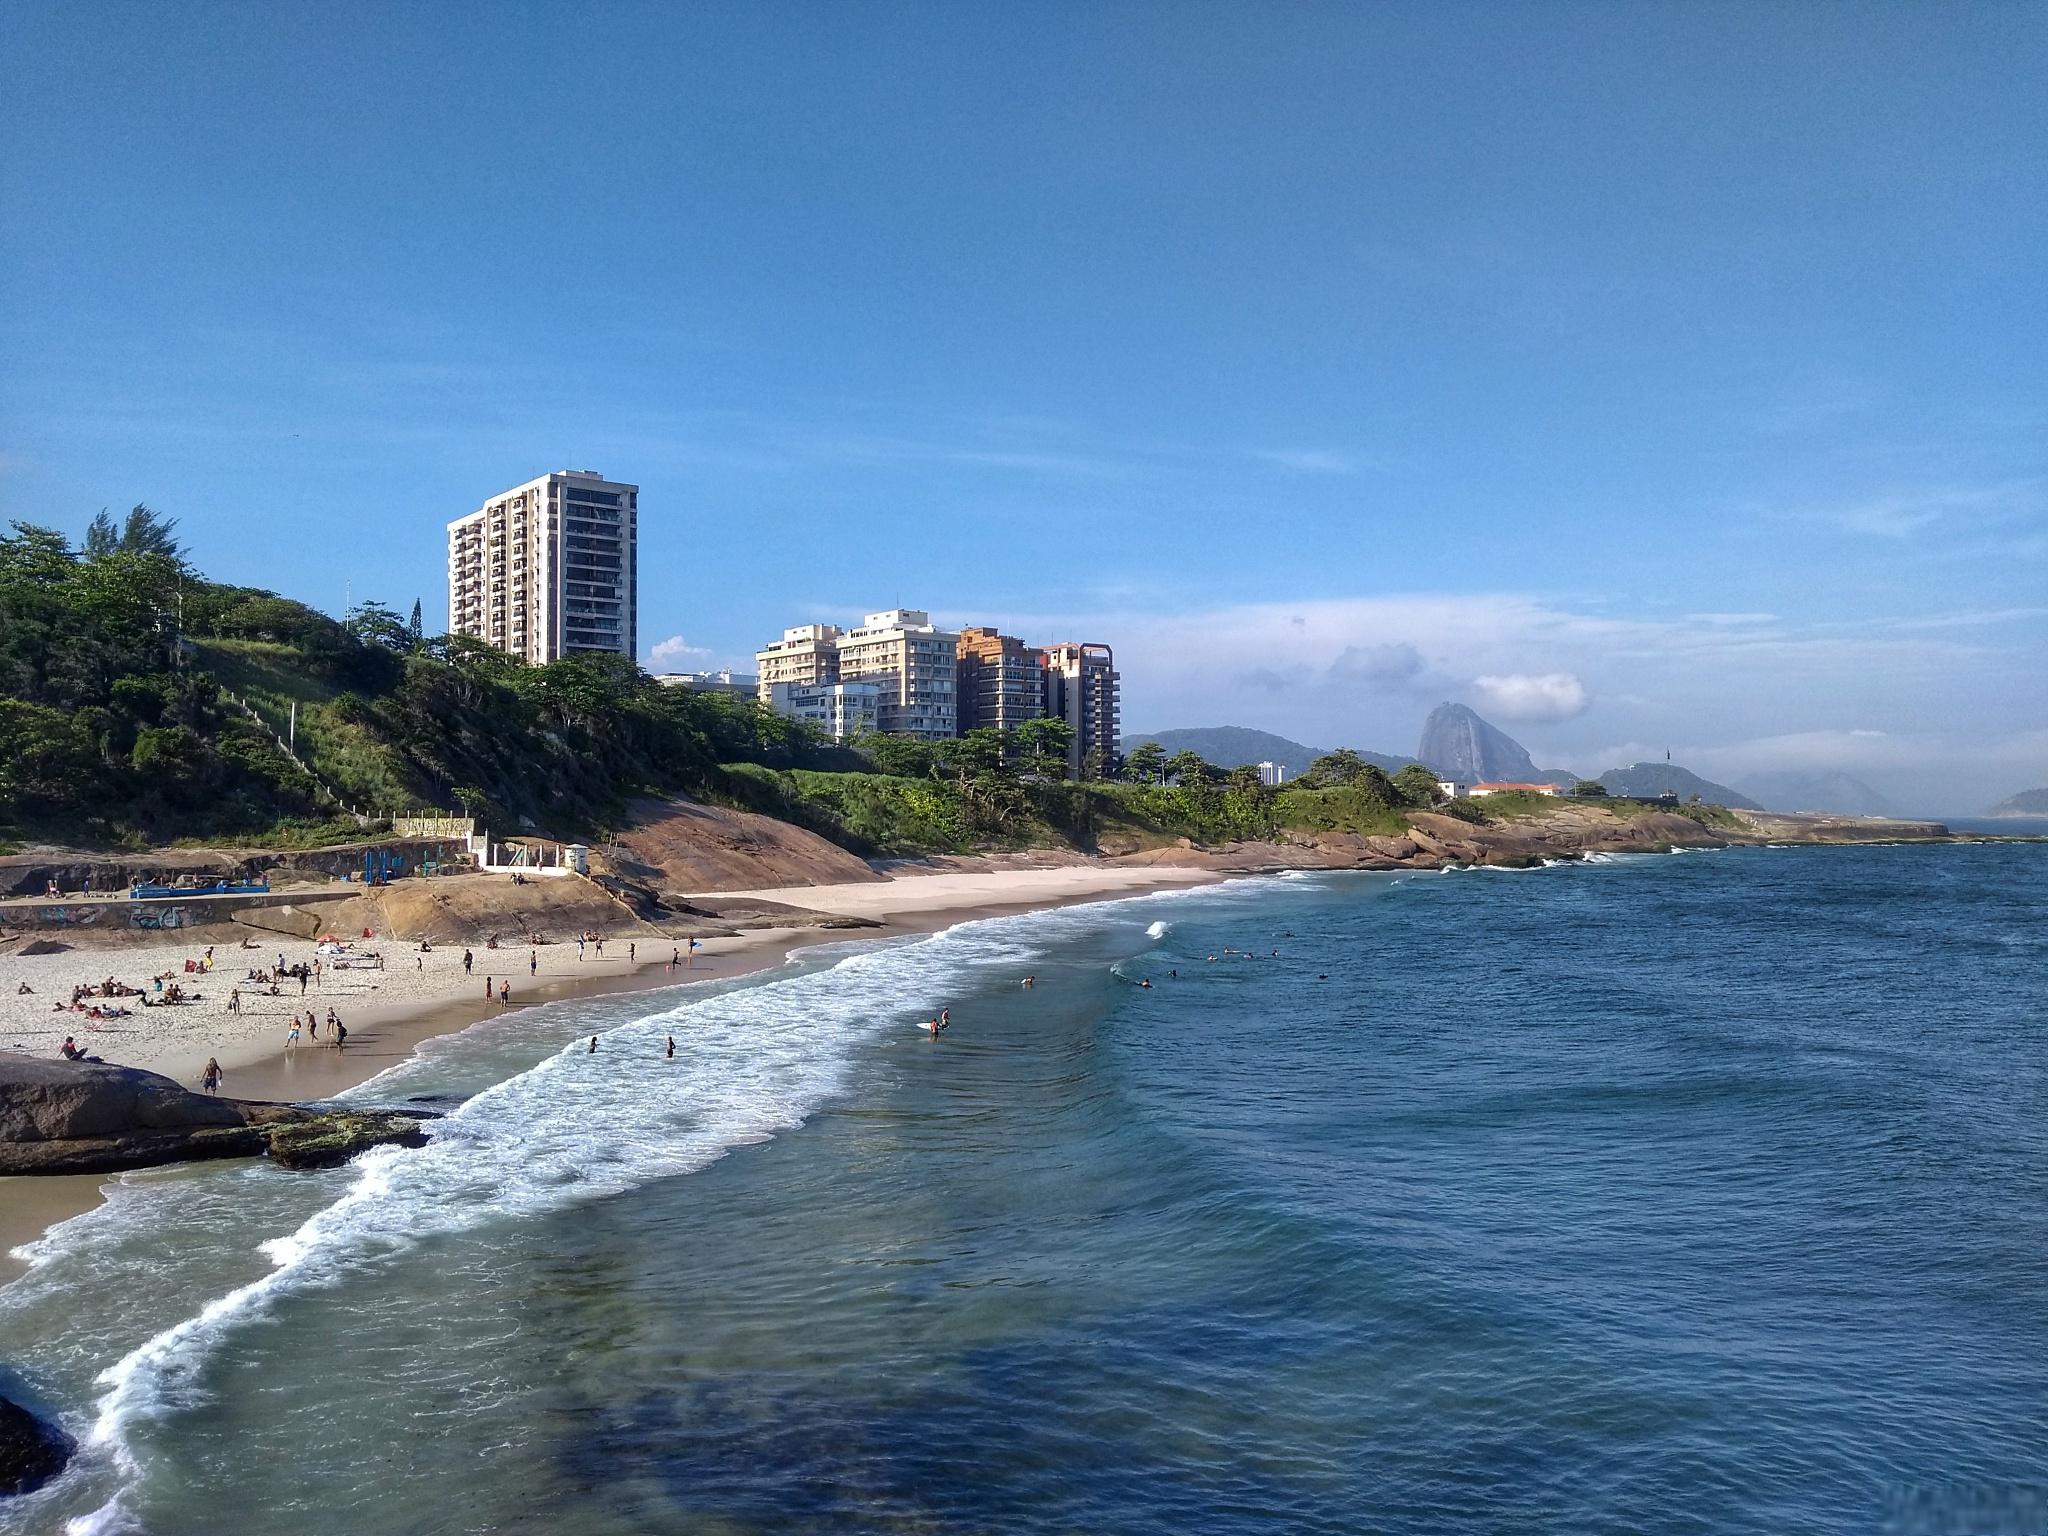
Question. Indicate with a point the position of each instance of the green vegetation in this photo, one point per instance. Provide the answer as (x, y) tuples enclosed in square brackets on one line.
[(140, 702)]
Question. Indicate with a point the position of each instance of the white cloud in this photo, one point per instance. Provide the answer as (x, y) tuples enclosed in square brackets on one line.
[(1532, 696), (1310, 461), (674, 651)]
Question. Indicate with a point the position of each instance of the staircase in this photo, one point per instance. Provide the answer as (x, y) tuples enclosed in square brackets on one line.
[(323, 791)]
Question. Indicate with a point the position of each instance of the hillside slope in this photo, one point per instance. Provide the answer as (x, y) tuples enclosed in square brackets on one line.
[(1653, 779)]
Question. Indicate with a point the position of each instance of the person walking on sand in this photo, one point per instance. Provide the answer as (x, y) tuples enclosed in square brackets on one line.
[(316, 973), (487, 989), (468, 960), (694, 947), (292, 1039), (234, 999), (304, 977), (532, 962), (579, 949), (333, 1022), (632, 953), (210, 1078)]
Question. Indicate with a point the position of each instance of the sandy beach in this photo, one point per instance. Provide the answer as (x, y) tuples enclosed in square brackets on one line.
[(417, 996)]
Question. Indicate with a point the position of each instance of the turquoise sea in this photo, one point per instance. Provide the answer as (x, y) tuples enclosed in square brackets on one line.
[(1687, 1193)]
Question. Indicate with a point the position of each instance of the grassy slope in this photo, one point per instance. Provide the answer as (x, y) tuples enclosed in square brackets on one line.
[(271, 678)]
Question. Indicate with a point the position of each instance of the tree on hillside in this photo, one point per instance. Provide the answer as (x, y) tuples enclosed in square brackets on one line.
[(1045, 743), (142, 532), (375, 624), (1100, 763), (417, 626), (1418, 786), (1333, 770), (1146, 763), (1189, 768), (1245, 780), (1590, 789)]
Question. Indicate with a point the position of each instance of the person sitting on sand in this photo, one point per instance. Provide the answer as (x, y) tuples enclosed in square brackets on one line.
[(24, 990)]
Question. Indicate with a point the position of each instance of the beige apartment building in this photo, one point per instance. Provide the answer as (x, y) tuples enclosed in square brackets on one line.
[(1002, 681), (549, 568), (912, 663), (917, 665), (807, 655), (1082, 687)]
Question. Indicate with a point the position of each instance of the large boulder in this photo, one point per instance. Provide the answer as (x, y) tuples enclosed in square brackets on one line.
[(82, 1117), (66, 1100), (31, 1451)]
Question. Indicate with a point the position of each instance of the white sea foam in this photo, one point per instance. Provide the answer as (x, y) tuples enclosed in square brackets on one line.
[(579, 1126), (1158, 930)]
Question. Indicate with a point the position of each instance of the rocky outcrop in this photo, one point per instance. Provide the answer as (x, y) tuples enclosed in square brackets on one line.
[(83, 1117), (31, 1450)]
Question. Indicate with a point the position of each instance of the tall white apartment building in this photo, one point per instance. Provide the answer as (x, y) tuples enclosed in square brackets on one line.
[(549, 568), (917, 665)]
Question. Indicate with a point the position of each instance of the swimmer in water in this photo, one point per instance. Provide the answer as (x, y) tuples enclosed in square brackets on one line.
[(1146, 982), (671, 1047), (593, 1045), (938, 1024)]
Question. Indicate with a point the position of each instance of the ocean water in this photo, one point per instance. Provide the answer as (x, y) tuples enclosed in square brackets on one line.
[(1695, 1193)]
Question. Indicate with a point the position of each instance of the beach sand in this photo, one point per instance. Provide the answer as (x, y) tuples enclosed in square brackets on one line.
[(419, 996)]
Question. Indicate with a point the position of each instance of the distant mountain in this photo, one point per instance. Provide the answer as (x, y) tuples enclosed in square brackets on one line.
[(2028, 802), (1827, 791), (1460, 745), (1233, 746), (1652, 779)]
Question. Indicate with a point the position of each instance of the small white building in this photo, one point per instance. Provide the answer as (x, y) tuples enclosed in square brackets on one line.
[(1272, 775), (740, 684), (841, 710), (1451, 789), (1478, 790)]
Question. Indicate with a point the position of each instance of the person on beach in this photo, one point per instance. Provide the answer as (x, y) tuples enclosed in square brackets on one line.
[(487, 989), (333, 1022), (312, 1025), (692, 960), (234, 999), (210, 1078), (671, 1047), (340, 1034), (316, 972), (504, 993), (468, 960), (292, 1039), (532, 963), (632, 953), (304, 977), (579, 949), (600, 948), (673, 956)]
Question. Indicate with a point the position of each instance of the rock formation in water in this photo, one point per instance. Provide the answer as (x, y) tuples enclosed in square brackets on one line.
[(1460, 745), (31, 1451), (84, 1117)]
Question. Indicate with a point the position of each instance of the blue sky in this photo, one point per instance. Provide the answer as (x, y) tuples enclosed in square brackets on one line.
[(1646, 376)]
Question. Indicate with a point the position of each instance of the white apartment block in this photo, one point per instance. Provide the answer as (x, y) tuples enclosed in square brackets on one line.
[(913, 664), (1272, 775), (548, 568), (841, 710), (917, 665)]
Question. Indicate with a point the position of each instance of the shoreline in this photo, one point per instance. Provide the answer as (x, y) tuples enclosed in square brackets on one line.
[(384, 1034)]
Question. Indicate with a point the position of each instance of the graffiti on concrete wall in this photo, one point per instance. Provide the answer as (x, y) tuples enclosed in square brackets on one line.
[(156, 917), (69, 917)]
